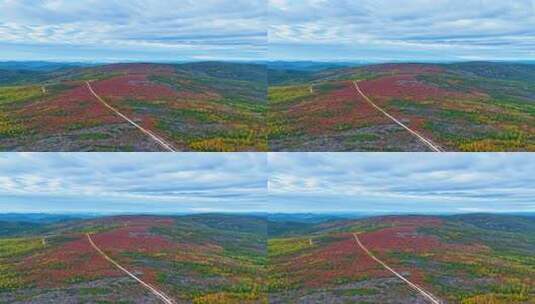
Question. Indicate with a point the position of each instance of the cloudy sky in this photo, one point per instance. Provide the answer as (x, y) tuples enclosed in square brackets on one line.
[(375, 183), (132, 182), (142, 30), (401, 182), (388, 30), (326, 30)]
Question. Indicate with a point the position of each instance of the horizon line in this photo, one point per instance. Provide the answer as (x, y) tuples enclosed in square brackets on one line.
[(342, 213), (341, 61)]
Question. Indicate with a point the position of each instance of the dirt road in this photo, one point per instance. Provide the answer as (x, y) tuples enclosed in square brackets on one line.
[(167, 146), (164, 298), (429, 296), (429, 143)]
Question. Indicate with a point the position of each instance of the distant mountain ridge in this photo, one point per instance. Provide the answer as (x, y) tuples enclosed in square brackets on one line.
[(40, 66)]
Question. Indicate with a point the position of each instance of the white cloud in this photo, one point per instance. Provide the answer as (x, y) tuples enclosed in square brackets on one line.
[(442, 29), (178, 181), (396, 181), (173, 29)]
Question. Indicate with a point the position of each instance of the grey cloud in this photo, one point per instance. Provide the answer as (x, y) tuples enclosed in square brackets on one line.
[(445, 28), (174, 28), (178, 181), (298, 182), (446, 182)]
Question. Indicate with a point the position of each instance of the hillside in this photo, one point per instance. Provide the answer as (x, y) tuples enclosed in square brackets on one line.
[(206, 106), (474, 106), (467, 259), (192, 259), (470, 259)]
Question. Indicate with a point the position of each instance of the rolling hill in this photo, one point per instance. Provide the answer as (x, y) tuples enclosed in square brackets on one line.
[(217, 106), (190, 259), (468, 259), (211, 258), (472, 106), (205, 106)]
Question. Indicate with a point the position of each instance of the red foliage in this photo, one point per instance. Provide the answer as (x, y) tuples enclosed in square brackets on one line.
[(135, 84), (402, 236), (78, 259), (404, 86), (345, 105), (77, 108), (74, 106), (132, 86), (340, 259), (343, 259), (67, 263), (134, 236)]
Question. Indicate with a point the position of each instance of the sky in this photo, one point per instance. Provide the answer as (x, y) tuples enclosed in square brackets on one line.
[(159, 183), (400, 183), (133, 30), (166, 183), (236, 30), (393, 30)]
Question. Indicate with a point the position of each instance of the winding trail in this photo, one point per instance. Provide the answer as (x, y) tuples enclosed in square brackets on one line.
[(167, 146), (429, 143), (163, 297), (429, 296)]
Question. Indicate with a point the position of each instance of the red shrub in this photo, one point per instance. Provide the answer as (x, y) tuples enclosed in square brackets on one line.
[(135, 86), (341, 107), (77, 259), (75, 106), (68, 263), (404, 86), (338, 260)]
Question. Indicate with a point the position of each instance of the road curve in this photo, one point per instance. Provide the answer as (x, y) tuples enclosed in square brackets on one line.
[(429, 296), (429, 143), (164, 298), (167, 146)]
